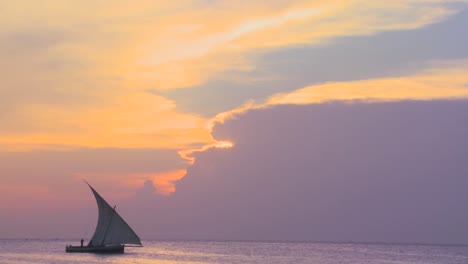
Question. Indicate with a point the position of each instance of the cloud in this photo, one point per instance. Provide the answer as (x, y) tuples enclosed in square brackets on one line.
[(134, 120), (187, 154), (88, 73), (164, 183), (442, 80), (447, 82), (388, 172), (237, 35), (347, 58), (53, 175), (124, 184)]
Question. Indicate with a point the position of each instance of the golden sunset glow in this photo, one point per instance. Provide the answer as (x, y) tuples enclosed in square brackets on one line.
[(445, 83), (187, 154)]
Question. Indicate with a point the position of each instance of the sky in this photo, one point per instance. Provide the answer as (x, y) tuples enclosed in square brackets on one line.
[(263, 120)]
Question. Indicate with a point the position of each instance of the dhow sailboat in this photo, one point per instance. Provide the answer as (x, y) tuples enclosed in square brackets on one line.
[(112, 232)]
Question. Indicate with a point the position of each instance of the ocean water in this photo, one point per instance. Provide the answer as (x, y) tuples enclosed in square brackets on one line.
[(53, 251)]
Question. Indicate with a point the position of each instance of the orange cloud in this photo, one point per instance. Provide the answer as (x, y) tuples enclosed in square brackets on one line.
[(133, 120), (442, 83), (125, 185), (164, 182), (187, 153)]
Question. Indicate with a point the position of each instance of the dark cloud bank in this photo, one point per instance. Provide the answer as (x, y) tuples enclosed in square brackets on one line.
[(387, 172)]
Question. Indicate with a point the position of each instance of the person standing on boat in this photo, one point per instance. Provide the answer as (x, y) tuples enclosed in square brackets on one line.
[(82, 242)]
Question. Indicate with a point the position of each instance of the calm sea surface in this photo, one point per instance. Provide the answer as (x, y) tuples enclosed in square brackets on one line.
[(53, 251)]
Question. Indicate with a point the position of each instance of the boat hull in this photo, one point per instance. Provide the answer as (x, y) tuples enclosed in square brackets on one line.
[(98, 249)]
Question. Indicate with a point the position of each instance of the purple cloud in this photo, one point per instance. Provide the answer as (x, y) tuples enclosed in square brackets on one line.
[(390, 172)]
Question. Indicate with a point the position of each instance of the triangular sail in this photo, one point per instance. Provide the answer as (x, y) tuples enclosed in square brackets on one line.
[(111, 229)]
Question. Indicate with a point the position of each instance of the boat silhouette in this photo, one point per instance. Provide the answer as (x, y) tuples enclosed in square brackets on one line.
[(112, 233)]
